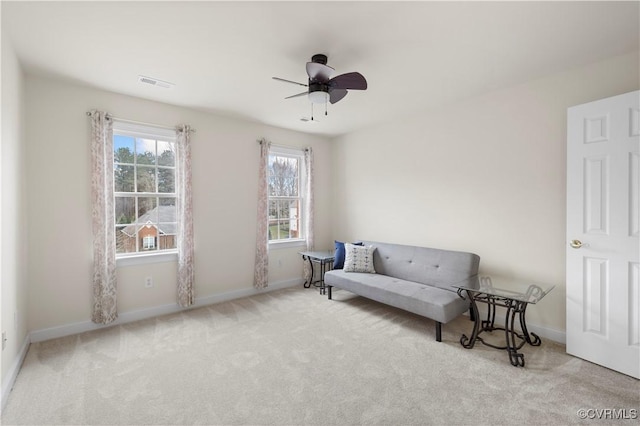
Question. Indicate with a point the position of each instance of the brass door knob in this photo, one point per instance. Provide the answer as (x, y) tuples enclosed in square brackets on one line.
[(576, 244)]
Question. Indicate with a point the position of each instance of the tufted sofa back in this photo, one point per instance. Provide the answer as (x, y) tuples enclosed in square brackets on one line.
[(441, 268)]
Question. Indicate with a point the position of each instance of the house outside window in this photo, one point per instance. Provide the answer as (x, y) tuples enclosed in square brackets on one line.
[(285, 174), (144, 172)]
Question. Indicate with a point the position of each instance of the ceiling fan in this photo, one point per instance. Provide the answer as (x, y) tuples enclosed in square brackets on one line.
[(321, 88)]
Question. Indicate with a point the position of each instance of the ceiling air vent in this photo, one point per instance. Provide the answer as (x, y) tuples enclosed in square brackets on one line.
[(155, 82)]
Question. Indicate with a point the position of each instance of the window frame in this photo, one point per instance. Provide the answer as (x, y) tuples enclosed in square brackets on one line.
[(298, 154), (135, 130)]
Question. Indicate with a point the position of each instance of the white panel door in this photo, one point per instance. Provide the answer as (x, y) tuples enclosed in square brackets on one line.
[(603, 222)]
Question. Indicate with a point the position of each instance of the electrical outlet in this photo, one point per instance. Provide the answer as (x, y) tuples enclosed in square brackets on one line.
[(4, 340), (148, 282)]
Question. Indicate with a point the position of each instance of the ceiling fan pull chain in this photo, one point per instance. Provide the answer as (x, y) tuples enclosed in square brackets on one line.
[(312, 111), (325, 108)]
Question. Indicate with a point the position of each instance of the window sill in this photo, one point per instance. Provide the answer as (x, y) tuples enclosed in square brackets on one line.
[(287, 244), (146, 258)]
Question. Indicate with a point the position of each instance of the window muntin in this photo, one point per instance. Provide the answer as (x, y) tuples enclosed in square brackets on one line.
[(284, 177), (144, 190)]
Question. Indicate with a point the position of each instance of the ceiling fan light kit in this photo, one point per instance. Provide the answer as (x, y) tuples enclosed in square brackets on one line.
[(321, 88), (318, 97)]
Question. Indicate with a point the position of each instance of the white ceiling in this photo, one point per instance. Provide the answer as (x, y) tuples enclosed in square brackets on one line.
[(222, 55)]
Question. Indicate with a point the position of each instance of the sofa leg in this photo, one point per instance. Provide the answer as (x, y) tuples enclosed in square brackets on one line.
[(438, 331), (329, 287)]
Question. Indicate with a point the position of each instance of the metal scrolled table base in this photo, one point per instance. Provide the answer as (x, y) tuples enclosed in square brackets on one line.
[(514, 340), (317, 283)]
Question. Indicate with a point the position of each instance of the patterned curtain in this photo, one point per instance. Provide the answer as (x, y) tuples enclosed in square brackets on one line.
[(105, 308), (186, 276), (308, 211), (261, 270)]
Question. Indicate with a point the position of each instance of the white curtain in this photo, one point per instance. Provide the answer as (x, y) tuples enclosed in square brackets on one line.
[(105, 308), (261, 269), (184, 205), (308, 211)]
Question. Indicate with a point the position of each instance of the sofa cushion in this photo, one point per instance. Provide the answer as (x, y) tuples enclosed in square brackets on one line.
[(441, 268), (359, 258), (436, 303)]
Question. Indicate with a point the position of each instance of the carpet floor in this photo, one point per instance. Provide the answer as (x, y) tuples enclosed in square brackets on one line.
[(292, 357)]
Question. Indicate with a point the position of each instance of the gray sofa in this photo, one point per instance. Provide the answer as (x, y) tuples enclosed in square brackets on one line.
[(416, 279)]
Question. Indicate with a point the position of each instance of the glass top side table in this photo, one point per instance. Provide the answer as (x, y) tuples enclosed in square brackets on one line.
[(325, 260), (510, 294)]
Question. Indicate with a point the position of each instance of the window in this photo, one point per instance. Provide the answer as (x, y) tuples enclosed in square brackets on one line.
[(149, 242), (285, 172), (144, 174)]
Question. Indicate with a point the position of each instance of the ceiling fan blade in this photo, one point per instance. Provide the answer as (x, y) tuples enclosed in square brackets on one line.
[(350, 80), (289, 81), (299, 94), (319, 72), (336, 94)]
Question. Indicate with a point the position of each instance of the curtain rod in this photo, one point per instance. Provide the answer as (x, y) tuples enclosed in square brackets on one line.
[(142, 123), (282, 146)]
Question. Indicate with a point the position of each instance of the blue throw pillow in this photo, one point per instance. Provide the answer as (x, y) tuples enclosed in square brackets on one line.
[(338, 261)]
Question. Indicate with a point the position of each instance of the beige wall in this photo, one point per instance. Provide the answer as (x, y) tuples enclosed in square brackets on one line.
[(12, 212), (485, 175), (225, 163)]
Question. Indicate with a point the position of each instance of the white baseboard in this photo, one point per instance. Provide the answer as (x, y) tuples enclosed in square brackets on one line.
[(237, 294), (7, 383), (140, 314), (552, 334)]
